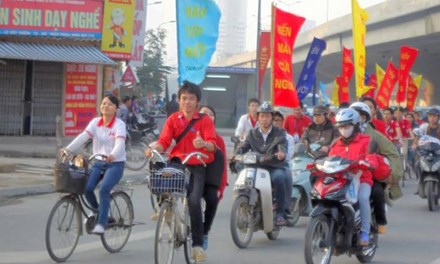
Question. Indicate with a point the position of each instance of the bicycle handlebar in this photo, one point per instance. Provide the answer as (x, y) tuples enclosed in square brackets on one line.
[(156, 153), (199, 156), (97, 155)]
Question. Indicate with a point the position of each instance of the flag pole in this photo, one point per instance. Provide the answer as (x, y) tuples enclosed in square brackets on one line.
[(257, 59)]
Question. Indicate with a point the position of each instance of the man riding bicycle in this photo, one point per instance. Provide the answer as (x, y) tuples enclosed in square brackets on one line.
[(194, 132)]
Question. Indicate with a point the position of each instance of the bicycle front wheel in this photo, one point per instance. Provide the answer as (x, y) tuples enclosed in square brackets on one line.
[(136, 159), (120, 221), (165, 235), (63, 229)]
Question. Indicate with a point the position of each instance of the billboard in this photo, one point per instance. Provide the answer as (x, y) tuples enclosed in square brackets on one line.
[(49, 18)]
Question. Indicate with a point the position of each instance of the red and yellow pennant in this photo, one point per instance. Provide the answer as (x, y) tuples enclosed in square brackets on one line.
[(407, 58), (285, 28), (383, 97), (264, 56), (413, 91)]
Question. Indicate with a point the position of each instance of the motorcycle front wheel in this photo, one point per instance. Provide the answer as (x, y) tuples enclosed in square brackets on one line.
[(242, 222), (317, 235), (432, 194), (366, 255), (295, 211)]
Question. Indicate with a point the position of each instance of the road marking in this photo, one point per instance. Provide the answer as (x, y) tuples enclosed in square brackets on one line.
[(39, 256)]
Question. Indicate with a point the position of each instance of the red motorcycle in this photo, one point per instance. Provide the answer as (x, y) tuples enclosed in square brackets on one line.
[(335, 223)]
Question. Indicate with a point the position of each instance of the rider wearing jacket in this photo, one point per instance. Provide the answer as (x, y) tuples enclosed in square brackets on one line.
[(270, 140), (353, 145)]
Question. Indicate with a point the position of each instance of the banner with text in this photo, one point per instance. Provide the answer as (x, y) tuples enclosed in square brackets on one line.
[(343, 92), (197, 33), (80, 102), (413, 91), (307, 76), (335, 94), (117, 29), (360, 17), (285, 28), (137, 52), (264, 56), (383, 97), (347, 73), (324, 95), (43, 18), (407, 58)]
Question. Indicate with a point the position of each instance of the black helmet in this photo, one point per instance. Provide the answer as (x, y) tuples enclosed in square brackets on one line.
[(265, 107), (433, 111)]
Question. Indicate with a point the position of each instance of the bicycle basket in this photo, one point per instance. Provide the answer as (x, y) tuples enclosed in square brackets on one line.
[(169, 180), (71, 175)]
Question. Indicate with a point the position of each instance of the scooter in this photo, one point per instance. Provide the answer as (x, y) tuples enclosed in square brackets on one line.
[(253, 208), (428, 169), (335, 222)]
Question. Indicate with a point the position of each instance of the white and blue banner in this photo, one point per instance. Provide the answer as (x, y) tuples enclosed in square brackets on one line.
[(197, 33), (324, 96), (307, 76)]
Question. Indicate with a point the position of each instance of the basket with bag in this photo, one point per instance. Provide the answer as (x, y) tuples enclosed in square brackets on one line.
[(71, 173)]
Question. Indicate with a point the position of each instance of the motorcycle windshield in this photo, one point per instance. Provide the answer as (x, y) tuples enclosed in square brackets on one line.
[(332, 166)]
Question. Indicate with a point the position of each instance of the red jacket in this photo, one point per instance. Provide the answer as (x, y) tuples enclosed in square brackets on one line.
[(356, 150), (176, 124), (221, 144), (293, 126), (380, 126)]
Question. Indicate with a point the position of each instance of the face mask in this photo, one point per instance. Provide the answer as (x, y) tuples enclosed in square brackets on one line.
[(346, 132)]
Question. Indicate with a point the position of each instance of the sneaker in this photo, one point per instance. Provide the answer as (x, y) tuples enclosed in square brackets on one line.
[(364, 239), (382, 229), (199, 254), (280, 221), (205, 242), (98, 230)]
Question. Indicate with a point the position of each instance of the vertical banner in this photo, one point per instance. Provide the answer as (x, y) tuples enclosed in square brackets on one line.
[(383, 97), (137, 52), (307, 76), (380, 73), (264, 56), (117, 29), (335, 94), (347, 73), (324, 96), (285, 28), (413, 91), (80, 104), (360, 17), (343, 92), (197, 33), (407, 57)]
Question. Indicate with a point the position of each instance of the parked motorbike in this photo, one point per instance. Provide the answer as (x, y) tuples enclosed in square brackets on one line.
[(301, 204), (335, 223), (253, 208), (428, 169), (147, 127)]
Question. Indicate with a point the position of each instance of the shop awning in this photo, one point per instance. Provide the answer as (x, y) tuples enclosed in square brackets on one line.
[(53, 52)]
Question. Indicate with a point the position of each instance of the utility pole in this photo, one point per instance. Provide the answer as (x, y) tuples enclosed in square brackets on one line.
[(257, 66)]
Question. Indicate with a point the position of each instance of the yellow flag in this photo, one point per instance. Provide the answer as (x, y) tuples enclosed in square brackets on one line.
[(418, 80), (360, 16), (380, 73), (335, 94)]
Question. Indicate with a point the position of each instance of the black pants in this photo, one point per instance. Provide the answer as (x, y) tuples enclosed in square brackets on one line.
[(378, 196), (195, 192), (211, 199)]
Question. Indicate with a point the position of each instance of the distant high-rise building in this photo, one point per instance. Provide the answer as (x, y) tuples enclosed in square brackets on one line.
[(232, 35)]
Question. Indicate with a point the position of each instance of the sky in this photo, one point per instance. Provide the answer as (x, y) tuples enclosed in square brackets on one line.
[(159, 15)]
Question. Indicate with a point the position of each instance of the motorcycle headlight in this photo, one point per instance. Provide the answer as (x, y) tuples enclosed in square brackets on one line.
[(424, 165), (250, 159)]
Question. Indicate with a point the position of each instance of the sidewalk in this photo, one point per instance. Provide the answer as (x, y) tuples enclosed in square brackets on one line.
[(26, 164)]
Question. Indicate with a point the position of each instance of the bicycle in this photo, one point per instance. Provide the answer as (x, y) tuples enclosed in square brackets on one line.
[(173, 224), (64, 225)]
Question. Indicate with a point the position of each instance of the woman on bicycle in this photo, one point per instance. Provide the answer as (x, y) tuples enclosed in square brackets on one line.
[(353, 145), (108, 134), (195, 132), (216, 179)]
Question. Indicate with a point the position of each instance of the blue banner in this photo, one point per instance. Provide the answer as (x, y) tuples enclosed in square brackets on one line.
[(197, 34), (324, 93), (307, 75)]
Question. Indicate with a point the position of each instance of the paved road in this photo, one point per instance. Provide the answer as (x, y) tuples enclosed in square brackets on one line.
[(413, 236)]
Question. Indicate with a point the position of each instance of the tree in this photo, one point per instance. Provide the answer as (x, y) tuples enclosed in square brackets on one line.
[(152, 75)]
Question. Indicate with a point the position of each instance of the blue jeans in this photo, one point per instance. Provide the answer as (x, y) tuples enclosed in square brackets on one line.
[(364, 206), (278, 177), (113, 172)]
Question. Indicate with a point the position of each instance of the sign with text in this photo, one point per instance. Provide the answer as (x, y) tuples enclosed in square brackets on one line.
[(137, 53), (264, 56), (80, 100), (50, 18)]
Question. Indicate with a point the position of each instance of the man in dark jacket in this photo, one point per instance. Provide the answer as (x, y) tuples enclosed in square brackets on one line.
[(272, 141), (172, 106), (321, 131)]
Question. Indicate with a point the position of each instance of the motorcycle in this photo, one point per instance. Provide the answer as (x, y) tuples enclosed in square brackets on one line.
[(335, 223), (428, 170), (253, 208), (301, 204)]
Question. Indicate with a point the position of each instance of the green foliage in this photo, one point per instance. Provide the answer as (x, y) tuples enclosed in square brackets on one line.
[(153, 73)]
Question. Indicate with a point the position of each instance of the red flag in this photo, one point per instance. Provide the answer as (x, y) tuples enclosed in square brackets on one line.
[(413, 91), (386, 88), (285, 28), (343, 93), (372, 82), (264, 55), (407, 57)]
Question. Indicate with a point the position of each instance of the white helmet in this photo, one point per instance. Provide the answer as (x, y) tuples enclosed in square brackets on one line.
[(347, 116), (363, 109)]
